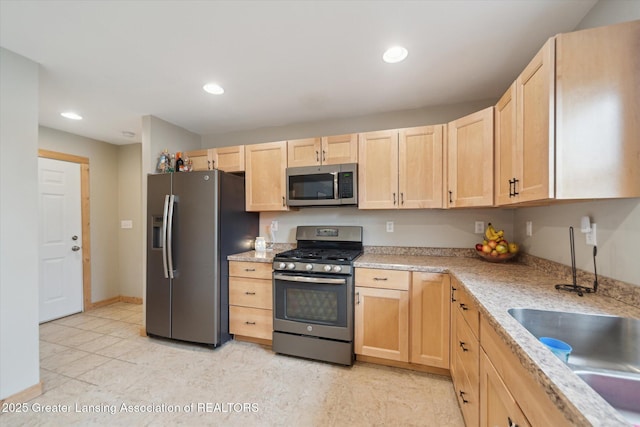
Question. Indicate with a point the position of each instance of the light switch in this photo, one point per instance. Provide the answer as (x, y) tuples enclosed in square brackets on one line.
[(529, 228), (126, 223)]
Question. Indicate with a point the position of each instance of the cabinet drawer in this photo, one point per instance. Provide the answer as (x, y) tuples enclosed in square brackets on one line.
[(468, 395), (383, 279), (257, 270), (256, 293), (251, 322), (467, 307), (467, 348)]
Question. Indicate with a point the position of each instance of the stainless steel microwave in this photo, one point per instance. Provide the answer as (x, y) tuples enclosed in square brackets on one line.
[(329, 185)]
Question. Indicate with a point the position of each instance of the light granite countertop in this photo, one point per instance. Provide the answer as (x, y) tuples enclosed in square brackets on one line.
[(496, 287)]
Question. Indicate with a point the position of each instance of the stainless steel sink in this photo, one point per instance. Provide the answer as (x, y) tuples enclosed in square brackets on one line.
[(602, 342), (606, 352), (621, 391)]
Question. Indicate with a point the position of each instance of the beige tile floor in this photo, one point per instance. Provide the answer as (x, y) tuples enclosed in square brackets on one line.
[(96, 366)]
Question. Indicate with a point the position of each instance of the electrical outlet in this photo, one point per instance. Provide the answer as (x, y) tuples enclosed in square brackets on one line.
[(274, 225), (389, 226), (591, 236), (479, 227), (529, 228)]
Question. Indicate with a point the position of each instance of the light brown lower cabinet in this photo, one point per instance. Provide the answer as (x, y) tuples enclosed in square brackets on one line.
[(403, 317), (382, 314), (497, 405), (250, 300)]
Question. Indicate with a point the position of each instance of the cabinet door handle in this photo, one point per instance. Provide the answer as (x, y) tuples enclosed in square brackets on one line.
[(511, 188), (357, 297), (402, 198), (462, 393), (324, 156), (453, 298), (515, 187), (317, 156), (380, 279), (394, 199), (249, 323), (283, 203), (249, 293), (209, 164), (462, 343), (464, 306), (249, 269), (450, 197), (511, 423)]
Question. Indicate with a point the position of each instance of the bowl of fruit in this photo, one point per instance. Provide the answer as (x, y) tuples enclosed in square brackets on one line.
[(495, 248)]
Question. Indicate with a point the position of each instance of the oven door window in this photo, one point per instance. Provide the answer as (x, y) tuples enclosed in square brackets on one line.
[(316, 303), (319, 186)]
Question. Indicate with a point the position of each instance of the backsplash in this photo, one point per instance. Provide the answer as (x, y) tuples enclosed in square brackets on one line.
[(616, 289)]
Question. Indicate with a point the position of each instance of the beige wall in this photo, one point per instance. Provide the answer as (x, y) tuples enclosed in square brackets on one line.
[(388, 120), (130, 241), (114, 178), (422, 228), (19, 345)]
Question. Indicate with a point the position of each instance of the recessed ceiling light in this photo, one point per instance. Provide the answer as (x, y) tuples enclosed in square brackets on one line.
[(213, 88), (71, 115), (395, 54)]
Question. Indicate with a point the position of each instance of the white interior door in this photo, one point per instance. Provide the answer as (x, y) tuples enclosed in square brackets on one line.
[(60, 231)]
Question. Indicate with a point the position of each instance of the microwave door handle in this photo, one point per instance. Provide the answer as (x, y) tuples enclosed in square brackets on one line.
[(336, 177), (304, 279)]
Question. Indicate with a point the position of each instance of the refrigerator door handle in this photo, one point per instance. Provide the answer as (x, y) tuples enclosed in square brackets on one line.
[(165, 213), (170, 236)]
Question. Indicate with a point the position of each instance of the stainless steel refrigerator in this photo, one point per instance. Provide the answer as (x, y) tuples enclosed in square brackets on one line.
[(195, 220)]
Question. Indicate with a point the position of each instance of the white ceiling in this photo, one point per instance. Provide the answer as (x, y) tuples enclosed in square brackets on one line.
[(280, 62)]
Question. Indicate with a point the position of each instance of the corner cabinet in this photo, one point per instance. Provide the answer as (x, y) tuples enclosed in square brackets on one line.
[(200, 159), (524, 133), (470, 160), (430, 319), (328, 150), (265, 178), (401, 169)]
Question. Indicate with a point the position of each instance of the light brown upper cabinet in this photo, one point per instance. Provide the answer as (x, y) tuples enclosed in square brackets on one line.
[(598, 112), (229, 159), (401, 169), (470, 160), (200, 159), (265, 178), (328, 150), (575, 131), (524, 129)]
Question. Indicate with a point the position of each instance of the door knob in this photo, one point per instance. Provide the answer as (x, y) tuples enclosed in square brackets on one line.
[(75, 248)]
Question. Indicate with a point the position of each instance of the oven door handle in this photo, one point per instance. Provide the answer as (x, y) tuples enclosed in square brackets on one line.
[(304, 279)]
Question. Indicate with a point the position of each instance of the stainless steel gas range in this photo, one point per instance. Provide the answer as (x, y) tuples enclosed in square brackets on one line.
[(313, 294)]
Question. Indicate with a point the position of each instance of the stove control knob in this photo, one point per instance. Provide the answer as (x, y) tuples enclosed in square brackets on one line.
[(308, 267), (291, 266), (282, 266), (327, 268), (337, 268)]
